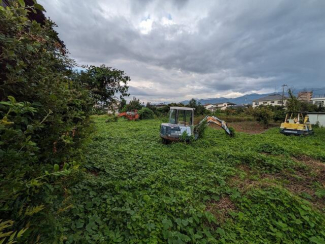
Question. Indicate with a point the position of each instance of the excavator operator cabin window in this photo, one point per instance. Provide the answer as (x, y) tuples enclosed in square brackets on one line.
[(188, 114), (181, 117), (173, 116)]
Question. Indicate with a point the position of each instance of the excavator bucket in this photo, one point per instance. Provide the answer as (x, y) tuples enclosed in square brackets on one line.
[(221, 123), (217, 121)]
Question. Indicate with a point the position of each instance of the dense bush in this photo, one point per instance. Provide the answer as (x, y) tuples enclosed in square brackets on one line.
[(134, 104), (279, 113), (263, 115), (44, 120), (146, 113), (199, 108)]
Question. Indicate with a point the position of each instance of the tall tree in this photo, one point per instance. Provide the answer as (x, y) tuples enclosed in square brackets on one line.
[(134, 104), (293, 104), (199, 108), (105, 83)]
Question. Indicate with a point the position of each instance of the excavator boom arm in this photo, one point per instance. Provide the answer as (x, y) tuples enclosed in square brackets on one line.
[(217, 121)]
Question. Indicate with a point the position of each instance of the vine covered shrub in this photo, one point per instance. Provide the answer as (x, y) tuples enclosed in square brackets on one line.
[(200, 128), (146, 113), (263, 115), (44, 112)]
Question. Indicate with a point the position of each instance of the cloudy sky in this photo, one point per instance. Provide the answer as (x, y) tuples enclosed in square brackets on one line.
[(178, 49)]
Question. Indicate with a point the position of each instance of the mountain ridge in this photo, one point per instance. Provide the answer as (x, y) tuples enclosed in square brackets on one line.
[(248, 99)]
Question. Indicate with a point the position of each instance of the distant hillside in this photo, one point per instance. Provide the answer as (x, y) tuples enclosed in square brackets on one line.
[(248, 99), (238, 100)]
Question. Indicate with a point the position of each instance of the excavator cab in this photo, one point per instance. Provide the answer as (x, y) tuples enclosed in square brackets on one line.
[(181, 125)]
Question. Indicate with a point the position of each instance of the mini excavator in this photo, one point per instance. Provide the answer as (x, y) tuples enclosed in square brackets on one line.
[(296, 124), (181, 122), (131, 115)]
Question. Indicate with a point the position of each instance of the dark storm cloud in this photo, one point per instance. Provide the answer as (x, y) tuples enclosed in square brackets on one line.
[(206, 48)]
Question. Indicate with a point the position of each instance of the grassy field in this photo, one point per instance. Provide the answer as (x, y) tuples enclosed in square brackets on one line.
[(254, 188)]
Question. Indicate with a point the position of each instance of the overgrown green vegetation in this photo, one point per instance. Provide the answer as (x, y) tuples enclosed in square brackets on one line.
[(125, 186), (263, 115), (44, 122), (146, 113), (261, 188), (134, 104)]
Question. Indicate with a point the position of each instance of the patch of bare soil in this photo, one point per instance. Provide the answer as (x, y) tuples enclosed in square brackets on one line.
[(250, 127), (250, 179), (301, 181), (316, 166), (220, 209)]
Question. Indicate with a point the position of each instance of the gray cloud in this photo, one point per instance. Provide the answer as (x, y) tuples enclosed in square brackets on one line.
[(175, 50)]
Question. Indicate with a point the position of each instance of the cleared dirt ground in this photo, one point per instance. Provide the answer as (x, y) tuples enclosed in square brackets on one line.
[(250, 127)]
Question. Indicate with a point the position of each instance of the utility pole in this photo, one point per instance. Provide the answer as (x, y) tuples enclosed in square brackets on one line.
[(283, 94)]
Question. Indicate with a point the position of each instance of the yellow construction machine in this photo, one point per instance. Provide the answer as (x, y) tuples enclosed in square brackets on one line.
[(296, 124)]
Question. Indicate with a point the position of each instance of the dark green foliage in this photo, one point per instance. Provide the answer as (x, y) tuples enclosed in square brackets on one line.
[(161, 111), (112, 118), (98, 110), (309, 107), (272, 148), (293, 104), (153, 109), (199, 108), (200, 128), (279, 113), (263, 115), (44, 117), (274, 215), (146, 113), (134, 104), (104, 82)]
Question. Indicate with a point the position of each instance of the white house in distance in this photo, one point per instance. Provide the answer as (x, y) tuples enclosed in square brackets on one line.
[(224, 106), (319, 101), (273, 100), (221, 106), (210, 107)]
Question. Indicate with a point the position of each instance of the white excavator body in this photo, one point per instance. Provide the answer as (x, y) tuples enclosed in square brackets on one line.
[(181, 125)]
